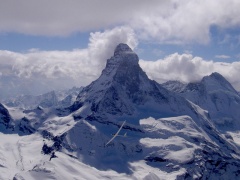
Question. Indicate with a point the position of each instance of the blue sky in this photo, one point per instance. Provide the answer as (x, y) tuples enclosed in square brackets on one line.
[(224, 45), (66, 43), (21, 42)]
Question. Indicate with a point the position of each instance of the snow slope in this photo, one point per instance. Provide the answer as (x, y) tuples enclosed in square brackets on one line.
[(166, 148)]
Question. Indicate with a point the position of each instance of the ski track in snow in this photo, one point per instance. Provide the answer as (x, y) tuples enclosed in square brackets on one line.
[(19, 162)]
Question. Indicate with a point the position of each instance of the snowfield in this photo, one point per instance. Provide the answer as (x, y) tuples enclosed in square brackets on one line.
[(166, 149)]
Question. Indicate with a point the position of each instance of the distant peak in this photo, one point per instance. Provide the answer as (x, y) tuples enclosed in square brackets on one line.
[(216, 75), (122, 48), (216, 81)]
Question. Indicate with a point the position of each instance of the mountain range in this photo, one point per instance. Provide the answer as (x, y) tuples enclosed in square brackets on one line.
[(214, 94), (174, 130), (63, 98)]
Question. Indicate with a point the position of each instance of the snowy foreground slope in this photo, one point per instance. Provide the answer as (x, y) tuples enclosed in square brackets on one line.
[(168, 136)]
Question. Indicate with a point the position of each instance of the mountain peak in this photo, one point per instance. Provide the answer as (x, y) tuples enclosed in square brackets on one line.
[(122, 86), (123, 58), (216, 75), (216, 81), (122, 48)]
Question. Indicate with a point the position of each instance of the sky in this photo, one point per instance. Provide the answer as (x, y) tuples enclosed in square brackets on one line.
[(51, 45)]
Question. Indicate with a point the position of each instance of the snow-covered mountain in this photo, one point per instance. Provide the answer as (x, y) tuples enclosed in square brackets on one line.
[(216, 95), (62, 98), (168, 137), (31, 102), (174, 86), (123, 90)]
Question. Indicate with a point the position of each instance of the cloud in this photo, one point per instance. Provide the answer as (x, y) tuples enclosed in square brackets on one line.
[(173, 21), (186, 68), (188, 21), (222, 56), (65, 17), (36, 72), (101, 45)]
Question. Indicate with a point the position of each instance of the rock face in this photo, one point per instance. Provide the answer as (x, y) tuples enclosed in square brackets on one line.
[(24, 127), (5, 119), (216, 95)]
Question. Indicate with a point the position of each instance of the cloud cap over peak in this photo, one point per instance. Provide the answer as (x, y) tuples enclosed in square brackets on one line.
[(122, 48), (36, 71)]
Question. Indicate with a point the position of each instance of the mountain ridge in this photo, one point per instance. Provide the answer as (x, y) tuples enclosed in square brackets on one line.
[(216, 95)]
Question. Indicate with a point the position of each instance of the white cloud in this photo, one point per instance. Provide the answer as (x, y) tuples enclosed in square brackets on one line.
[(64, 17), (38, 71), (186, 68), (173, 21), (222, 56), (101, 44), (187, 21)]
